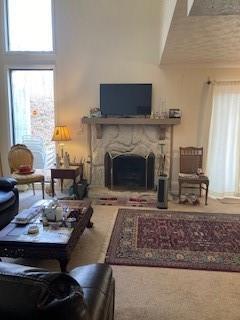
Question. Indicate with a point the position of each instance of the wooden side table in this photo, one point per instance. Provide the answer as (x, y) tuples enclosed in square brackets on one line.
[(66, 173)]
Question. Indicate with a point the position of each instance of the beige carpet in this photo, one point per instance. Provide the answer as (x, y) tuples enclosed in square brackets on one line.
[(158, 293), (230, 201)]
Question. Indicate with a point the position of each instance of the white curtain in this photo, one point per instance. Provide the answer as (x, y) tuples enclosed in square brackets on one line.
[(224, 140)]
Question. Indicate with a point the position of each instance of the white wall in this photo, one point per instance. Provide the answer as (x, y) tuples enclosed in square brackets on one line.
[(113, 41), (186, 87), (102, 41), (167, 10)]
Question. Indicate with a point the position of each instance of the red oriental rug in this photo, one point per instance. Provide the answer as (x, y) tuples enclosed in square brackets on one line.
[(175, 239)]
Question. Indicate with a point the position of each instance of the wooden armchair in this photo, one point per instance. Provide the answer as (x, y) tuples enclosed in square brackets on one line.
[(20, 155), (190, 163)]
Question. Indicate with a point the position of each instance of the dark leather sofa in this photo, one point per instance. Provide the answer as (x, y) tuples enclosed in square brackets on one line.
[(9, 200), (86, 293)]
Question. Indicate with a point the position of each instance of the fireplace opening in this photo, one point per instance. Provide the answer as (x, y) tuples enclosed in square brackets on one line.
[(129, 171)]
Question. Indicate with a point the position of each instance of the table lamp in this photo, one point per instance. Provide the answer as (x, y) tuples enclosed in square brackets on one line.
[(61, 133)]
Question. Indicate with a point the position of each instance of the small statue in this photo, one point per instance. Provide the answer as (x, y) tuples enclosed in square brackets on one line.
[(66, 160), (58, 161)]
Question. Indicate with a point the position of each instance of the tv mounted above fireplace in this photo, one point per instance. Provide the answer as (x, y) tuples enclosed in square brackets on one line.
[(131, 99)]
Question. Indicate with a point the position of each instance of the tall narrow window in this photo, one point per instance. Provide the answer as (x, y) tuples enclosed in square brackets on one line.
[(29, 25), (223, 151), (33, 113)]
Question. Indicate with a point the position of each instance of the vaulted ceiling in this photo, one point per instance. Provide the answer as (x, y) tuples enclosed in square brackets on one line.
[(210, 34), (213, 7)]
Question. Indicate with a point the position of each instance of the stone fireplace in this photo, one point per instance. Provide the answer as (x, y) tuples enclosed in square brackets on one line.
[(136, 142), (129, 171), (130, 137)]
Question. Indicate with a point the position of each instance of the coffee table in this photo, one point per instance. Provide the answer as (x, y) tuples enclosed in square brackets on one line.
[(15, 242)]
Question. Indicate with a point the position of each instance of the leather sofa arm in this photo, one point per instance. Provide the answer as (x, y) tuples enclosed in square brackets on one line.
[(98, 285), (32, 293), (7, 183)]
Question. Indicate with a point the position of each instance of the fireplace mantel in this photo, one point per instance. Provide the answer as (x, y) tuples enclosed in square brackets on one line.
[(99, 122)]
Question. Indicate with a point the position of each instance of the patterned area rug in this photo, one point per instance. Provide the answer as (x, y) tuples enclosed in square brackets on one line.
[(175, 239)]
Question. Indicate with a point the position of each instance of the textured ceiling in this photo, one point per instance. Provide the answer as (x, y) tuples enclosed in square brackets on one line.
[(215, 7), (202, 39)]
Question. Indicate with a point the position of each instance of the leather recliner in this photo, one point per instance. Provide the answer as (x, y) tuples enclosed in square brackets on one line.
[(9, 200), (86, 293)]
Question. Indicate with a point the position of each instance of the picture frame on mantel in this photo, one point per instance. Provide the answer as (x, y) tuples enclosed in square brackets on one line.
[(175, 113)]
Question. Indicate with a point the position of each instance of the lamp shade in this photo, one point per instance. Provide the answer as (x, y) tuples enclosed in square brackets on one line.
[(61, 133)]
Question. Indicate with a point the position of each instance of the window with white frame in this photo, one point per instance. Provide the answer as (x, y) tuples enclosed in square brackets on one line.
[(31, 87), (33, 116), (29, 25)]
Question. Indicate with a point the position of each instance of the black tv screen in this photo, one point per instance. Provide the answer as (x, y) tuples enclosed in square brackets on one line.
[(125, 99)]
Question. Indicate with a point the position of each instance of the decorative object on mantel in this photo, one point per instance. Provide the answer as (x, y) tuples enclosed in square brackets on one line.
[(60, 134), (175, 113), (203, 241), (159, 115), (95, 112), (163, 115), (155, 115)]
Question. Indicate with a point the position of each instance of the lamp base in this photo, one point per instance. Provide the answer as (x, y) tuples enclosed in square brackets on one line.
[(61, 146)]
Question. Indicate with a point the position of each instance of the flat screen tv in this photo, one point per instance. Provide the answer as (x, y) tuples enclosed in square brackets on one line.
[(133, 99)]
